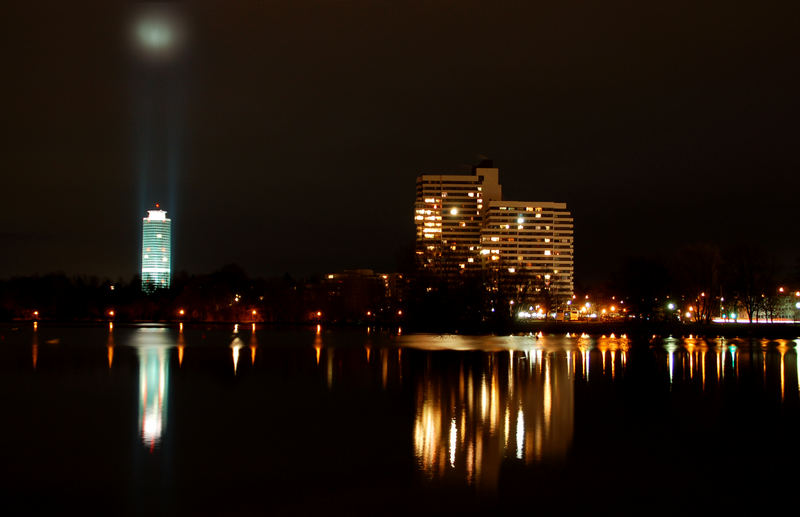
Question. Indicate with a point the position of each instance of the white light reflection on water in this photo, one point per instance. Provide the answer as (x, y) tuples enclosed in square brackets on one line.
[(670, 347), (236, 346)]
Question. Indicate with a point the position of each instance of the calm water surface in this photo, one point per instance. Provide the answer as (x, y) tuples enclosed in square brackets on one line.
[(150, 419)]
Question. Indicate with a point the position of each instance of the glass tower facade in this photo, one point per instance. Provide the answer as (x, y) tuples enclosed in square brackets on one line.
[(156, 251)]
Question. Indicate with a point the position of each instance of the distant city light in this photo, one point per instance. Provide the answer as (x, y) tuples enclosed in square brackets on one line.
[(671, 306)]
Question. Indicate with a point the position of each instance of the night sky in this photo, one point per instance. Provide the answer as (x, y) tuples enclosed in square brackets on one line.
[(287, 136)]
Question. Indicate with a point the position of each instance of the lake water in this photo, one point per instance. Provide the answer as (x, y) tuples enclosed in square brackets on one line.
[(205, 420)]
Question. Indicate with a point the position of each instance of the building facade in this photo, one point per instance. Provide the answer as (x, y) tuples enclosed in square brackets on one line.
[(447, 216), (522, 249), (528, 246), (156, 251)]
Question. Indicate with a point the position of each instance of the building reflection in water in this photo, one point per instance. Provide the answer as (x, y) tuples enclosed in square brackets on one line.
[(509, 405), (152, 347)]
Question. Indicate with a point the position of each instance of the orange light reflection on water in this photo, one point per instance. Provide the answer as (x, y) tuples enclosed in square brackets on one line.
[(468, 420)]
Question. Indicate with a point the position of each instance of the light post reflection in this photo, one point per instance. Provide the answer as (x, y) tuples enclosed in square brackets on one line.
[(253, 346), (35, 348), (110, 347)]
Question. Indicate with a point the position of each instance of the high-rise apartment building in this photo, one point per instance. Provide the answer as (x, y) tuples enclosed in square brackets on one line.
[(447, 216), (156, 250), (532, 240), (463, 225)]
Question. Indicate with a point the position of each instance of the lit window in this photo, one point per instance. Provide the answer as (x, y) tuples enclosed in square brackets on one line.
[(520, 220), (158, 236), (546, 239), (163, 259), (471, 194), (147, 256), (547, 252), (470, 260), (495, 239)]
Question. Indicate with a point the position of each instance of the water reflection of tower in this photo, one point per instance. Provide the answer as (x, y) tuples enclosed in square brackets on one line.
[(516, 407), (154, 368)]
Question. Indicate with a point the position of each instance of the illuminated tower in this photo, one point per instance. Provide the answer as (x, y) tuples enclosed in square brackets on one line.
[(156, 250)]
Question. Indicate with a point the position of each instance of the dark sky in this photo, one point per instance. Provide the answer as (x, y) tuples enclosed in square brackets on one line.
[(287, 136)]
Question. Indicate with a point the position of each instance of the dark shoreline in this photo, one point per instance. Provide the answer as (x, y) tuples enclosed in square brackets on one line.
[(630, 328)]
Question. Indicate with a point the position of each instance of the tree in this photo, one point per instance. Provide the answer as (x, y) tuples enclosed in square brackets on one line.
[(751, 274)]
